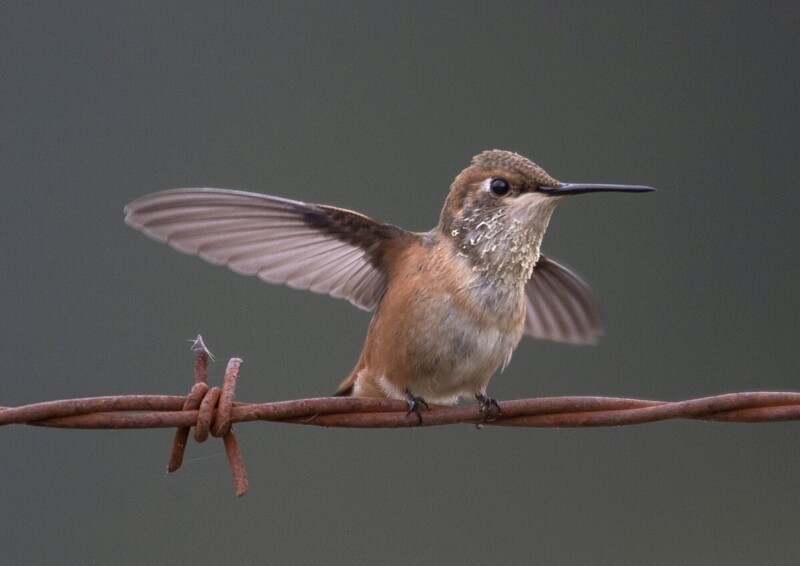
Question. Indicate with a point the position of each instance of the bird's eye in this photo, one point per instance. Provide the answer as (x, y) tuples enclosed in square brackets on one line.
[(499, 187)]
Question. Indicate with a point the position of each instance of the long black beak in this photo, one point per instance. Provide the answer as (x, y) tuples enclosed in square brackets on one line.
[(579, 188)]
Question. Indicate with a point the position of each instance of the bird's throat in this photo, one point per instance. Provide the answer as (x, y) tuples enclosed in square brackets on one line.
[(503, 247)]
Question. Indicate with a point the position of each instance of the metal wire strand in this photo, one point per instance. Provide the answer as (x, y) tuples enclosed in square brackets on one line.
[(213, 411)]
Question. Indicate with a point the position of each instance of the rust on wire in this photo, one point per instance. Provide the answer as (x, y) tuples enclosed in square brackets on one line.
[(212, 410), (193, 400)]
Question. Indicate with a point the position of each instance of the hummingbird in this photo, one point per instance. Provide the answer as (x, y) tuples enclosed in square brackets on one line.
[(451, 304)]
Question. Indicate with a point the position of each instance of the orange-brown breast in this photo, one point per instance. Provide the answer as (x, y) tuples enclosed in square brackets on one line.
[(433, 334)]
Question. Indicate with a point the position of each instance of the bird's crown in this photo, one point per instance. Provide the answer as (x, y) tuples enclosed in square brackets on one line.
[(514, 163)]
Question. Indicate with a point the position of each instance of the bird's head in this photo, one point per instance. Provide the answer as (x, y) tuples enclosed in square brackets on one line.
[(498, 209)]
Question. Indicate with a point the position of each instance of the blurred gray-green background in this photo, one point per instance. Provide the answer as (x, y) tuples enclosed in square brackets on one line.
[(376, 107)]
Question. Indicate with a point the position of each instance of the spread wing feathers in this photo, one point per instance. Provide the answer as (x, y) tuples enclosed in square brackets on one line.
[(560, 306), (307, 246)]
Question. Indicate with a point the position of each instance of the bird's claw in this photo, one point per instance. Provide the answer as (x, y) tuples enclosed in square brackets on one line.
[(487, 404), (413, 405)]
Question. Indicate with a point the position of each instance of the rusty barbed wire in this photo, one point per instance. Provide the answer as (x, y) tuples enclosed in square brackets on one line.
[(212, 410)]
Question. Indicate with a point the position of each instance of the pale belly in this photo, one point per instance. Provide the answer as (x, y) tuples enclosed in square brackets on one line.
[(452, 356)]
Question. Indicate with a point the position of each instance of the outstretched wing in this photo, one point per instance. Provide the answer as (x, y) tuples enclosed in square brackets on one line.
[(560, 306), (307, 246)]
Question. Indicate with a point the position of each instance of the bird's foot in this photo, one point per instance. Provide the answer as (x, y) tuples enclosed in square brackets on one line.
[(487, 406), (413, 405)]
